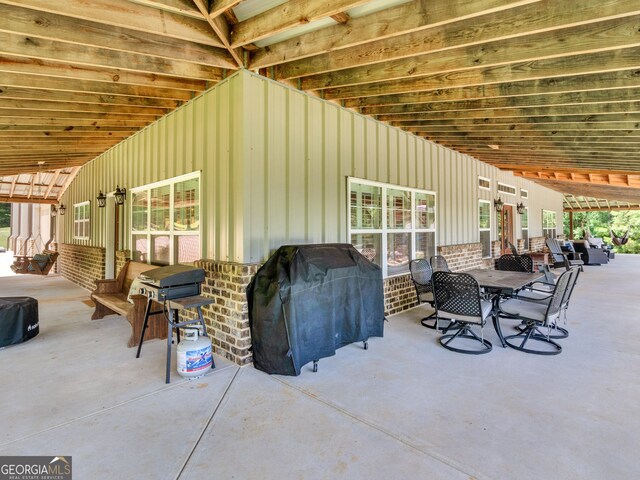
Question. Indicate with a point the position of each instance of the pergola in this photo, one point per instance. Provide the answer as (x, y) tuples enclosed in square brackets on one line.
[(547, 89)]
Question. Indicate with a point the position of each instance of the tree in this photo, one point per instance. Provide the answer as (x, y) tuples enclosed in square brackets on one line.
[(600, 223), (5, 215)]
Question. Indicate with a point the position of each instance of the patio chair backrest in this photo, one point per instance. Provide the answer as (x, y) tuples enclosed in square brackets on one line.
[(570, 287), (457, 295), (515, 263), (421, 274), (556, 303), (439, 264)]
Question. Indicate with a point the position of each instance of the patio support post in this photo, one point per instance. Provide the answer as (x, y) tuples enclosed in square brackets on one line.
[(571, 225)]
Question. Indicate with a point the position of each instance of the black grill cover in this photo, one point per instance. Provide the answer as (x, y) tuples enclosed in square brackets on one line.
[(307, 301), (18, 320)]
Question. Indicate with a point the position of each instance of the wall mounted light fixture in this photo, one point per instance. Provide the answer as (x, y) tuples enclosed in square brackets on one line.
[(498, 204), (520, 208), (102, 199), (120, 195), (62, 209)]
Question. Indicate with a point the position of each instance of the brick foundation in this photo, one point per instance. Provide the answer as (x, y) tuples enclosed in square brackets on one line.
[(81, 265), (463, 257), (228, 318), (399, 294), (537, 244)]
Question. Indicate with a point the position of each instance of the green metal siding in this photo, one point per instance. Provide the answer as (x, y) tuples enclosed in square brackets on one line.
[(275, 163)]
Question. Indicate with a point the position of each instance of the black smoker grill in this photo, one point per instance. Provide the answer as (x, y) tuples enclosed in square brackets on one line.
[(309, 300)]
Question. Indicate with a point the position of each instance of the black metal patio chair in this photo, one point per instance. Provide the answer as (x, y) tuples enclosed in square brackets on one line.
[(439, 264), (536, 315), (544, 296), (457, 298), (515, 263)]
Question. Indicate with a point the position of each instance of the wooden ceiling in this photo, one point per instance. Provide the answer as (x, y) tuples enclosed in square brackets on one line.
[(549, 89)]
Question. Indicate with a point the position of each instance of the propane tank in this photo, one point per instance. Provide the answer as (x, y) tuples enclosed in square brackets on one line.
[(194, 353)]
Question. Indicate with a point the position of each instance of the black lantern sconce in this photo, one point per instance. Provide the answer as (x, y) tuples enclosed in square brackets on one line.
[(520, 208), (120, 195), (102, 199), (62, 209), (498, 204)]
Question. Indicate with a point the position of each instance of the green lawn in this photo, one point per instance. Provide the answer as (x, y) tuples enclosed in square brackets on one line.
[(4, 234)]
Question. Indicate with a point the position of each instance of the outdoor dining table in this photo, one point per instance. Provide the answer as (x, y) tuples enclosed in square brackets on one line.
[(503, 283)]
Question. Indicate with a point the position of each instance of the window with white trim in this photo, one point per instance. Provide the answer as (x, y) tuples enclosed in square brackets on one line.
[(484, 223), (548, 224), (506, 189), (81, 220), (391, 225), (165, 221), (484, 183), (524, 193), (524, 227)]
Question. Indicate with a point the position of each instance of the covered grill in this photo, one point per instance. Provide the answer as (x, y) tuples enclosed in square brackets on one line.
[(309, 300)]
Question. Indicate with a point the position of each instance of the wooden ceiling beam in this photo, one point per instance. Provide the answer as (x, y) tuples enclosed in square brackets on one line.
[(10, 103), (605, 209), (63, 129), (44, 69), (410, 17), (221, 29), (61, 135), (576, 84), (590, 121), (285, 16), (529, 19), (50, 26), (122, 13), (66, 114), (525, 101), (548, 68), (101, 122), (181, 7), (58, 97), (550, 111), (69, 53), (89, 86), (218, 7), (24, 199), (583, 39)]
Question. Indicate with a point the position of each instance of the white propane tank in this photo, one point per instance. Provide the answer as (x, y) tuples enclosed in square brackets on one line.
[(194, 353)]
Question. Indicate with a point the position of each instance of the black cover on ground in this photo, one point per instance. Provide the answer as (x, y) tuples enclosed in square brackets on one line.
[(307, 301), (18, 320)]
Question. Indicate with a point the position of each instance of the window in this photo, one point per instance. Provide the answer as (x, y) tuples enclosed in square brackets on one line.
[(81, 223), (391, 225), (524, 193), (549, 224), (524, 227), (165, 221), (506, 189), (484, 222), (484, 183)]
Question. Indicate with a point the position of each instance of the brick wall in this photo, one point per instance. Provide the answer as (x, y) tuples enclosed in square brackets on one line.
[(399, 294), (463, 257), (121, 258), (80, 264), (537, 244), (228, 318)]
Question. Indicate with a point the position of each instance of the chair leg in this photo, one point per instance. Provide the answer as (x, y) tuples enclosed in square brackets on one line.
[(465, 332), (531, 332)]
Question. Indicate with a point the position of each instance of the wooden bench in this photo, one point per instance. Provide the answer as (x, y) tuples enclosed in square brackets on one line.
[(110, 297)]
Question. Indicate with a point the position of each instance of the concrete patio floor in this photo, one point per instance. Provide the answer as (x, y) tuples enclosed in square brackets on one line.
[(404, 408)]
